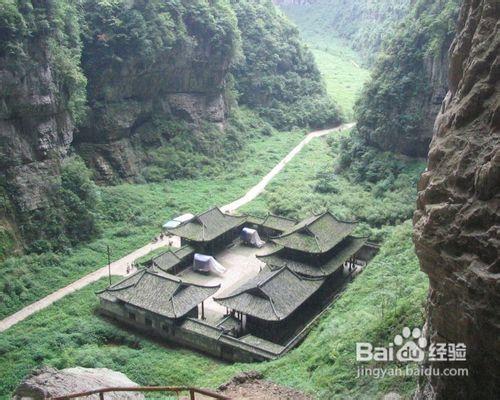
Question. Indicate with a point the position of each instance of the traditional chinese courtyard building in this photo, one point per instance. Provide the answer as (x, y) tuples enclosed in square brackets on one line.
[(172, 262), (209, 231), (271, 225), (317, 246), (271, 303), (154, 299), (266, 301)]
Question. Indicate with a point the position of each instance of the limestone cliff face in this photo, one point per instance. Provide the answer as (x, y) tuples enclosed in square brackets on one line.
[(458, 212), (36, 128), (37, 106), (135, 84), (398, 107), (436, 71), (427, 104)]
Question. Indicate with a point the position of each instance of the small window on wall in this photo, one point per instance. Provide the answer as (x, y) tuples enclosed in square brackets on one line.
[(149, 322), (131, 316), (165, 328)]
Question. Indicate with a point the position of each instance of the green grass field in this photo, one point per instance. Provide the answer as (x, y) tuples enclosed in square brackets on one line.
[(69, 333), (342, 73), (340, 66)]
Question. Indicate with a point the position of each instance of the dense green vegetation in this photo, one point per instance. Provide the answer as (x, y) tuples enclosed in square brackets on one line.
[(205, 152), (71, 216), (69, 333), (130, 215), (277, 75), (390, 112), (144, 34), (55, 27), (363, 25), (376, 189)]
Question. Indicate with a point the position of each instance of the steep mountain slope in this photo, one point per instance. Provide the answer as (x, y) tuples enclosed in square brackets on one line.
[(457, 220), (149, 64), (140, 90), (277, 75), (362, 24), (398, 107), (41, 98)]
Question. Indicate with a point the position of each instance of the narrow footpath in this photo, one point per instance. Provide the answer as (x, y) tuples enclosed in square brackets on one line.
[(119, 267)]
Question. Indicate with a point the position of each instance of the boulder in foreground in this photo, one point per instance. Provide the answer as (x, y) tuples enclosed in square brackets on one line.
[(48, 382)]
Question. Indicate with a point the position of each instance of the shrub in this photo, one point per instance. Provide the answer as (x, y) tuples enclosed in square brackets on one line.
[(72, 215), (277, 75)]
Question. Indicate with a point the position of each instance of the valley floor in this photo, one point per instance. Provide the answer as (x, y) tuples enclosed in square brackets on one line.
[(69, 333), (387, 296), (120, 266)]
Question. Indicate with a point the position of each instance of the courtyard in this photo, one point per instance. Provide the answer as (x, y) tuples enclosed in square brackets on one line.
[(241, 265)]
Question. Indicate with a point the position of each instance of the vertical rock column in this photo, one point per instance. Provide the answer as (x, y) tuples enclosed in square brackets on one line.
[(457, 222)]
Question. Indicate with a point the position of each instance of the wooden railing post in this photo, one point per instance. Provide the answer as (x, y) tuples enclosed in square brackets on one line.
[(101, 396), (191, 394)]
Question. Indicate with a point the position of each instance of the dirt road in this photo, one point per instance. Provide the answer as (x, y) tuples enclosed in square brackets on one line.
[(119, 267), (259, 188)]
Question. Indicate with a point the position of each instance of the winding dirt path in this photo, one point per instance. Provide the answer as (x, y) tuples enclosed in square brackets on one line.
[(259, 188), (119, 267)]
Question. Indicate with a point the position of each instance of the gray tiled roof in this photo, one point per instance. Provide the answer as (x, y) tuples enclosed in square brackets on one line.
[(271, 295), (279, 223), (207, 226), (170, 258), (159, 292), (349, 246), (317, 234), (272, 221)]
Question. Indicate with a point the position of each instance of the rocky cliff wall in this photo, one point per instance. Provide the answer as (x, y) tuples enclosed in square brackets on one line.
[(162, 62), (40, 93), (397, 108), (458, 211)]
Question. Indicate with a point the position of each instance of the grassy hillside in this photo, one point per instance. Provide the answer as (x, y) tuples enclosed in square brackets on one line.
[(342, 72), (69, 333), (341, 67)]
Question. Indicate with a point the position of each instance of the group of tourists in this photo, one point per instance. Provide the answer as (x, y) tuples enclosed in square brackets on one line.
[(131, 267), (160, 238)]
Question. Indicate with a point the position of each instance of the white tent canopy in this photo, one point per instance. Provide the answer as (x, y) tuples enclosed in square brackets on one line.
[(251, 236), (204, 263)]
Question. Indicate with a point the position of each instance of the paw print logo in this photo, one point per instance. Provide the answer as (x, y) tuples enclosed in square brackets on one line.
[(412, 345)]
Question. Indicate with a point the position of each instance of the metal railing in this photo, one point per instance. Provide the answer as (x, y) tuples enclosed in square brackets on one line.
[(173, 389)]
